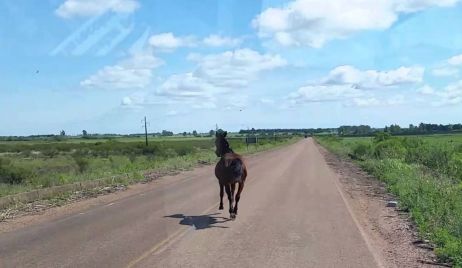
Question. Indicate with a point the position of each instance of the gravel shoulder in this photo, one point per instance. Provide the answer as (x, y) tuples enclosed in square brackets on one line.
[(389, 229)]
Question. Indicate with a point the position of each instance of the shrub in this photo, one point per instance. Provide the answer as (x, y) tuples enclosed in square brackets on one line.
[(13, 175), (381, 136), (81, 162), (390, 149), (362, 151), (455, 166)]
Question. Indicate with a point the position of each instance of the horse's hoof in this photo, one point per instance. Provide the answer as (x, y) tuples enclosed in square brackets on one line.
[(220, 208), (233, 216)]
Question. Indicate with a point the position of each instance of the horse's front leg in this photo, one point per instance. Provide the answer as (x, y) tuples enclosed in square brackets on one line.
[(222, 189), (230, 193)]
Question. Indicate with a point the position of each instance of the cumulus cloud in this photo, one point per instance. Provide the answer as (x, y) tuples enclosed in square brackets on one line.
[(449, 67), (134, 72), (267, 101), (234, 68), (456, 60), (217, 74), (370, 79), (82, 8), (445, 71), (449, 95), (168, 41), (221, 41), (315, 22), (351, 86), (364, 102), (324, 93), (374, 102)]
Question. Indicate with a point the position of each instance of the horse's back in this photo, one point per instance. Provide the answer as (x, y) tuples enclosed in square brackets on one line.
[(230, 169)]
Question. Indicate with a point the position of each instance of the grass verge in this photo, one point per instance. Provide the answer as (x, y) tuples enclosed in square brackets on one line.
[(127, 172), (423, 176)]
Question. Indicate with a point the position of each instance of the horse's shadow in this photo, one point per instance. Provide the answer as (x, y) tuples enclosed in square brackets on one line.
[(201, 221)]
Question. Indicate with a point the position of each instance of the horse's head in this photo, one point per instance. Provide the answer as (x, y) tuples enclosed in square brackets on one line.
[(221, 144)]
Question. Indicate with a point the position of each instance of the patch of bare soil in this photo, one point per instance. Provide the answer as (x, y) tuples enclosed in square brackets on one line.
[(389, 229)]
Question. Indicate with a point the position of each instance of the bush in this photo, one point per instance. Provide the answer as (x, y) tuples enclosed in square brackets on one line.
[(381, 136), (81, 162), (455, 167), (13, 175), (390, 149), (362, 151)]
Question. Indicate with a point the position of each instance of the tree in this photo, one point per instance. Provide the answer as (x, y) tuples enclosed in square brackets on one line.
[(62, 133), (194, 133), (184, 134), (84, 133)]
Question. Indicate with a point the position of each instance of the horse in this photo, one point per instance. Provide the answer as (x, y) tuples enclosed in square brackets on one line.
[(230, 170)]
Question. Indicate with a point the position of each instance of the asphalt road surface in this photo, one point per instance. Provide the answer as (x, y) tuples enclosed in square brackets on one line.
[(292, 214)]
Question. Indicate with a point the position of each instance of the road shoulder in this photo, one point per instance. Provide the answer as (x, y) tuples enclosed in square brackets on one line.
[(389, 230)]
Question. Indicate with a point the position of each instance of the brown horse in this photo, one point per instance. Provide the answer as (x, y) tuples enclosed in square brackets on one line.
[(230, 170)]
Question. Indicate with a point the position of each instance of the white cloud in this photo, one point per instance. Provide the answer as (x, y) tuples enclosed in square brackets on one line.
[(315, 22), (449, 67), (445, 71), (127, 101), (374, 102), (134, 72), (267, 101), (185, 86), (450, 95), (456, 60), (365, 102), (218, 74), (351, 86), (232, 69), (168, 41), (172, 113), (324, 93), (368, 79), (81, 8), (221, 41), (396, 100), (426, 90)]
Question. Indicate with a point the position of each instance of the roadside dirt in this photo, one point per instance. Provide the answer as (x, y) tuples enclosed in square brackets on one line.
[(390, 230)]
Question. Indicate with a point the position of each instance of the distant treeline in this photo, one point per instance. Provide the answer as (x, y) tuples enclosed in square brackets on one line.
[(361, 130), (422, 128), (269, 131)]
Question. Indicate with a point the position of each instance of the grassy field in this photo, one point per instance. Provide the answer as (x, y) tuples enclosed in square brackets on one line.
[(28, 165), (425, 173)]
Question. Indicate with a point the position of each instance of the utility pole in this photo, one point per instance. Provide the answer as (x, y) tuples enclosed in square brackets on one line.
[(146, 131)]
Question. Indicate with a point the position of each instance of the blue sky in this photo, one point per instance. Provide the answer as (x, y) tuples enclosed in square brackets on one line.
[(188, 65)]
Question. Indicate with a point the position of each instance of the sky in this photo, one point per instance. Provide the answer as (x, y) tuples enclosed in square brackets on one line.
[(189, 65)]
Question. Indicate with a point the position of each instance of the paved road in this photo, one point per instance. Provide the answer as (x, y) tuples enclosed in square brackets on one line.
[(292, 214)]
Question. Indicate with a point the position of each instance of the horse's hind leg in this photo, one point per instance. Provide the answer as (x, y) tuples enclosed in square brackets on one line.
[(222, 188), (230, 193), (238, 195)]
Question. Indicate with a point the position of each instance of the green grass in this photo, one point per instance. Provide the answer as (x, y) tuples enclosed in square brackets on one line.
[(25, 166), (425, 173)]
